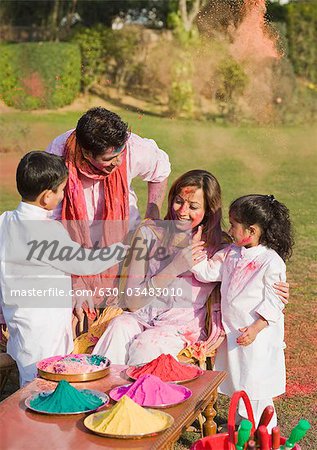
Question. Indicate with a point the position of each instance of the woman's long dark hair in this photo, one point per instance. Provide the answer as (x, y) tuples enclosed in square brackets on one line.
[(271, 216), (211, 222)]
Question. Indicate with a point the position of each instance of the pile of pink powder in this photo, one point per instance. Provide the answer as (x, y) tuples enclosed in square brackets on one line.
[(150, 390)]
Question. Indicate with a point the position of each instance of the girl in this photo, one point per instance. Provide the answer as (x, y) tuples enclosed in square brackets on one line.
[(252, 316), (161, 324)]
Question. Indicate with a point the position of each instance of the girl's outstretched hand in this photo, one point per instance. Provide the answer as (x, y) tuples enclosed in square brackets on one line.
[(186, 258)]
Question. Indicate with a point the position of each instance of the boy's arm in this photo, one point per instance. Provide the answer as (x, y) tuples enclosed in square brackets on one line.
[(55, 248), (181, 263)]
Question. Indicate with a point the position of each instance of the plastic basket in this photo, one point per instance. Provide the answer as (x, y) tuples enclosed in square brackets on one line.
[(221, 442), (227, 441)]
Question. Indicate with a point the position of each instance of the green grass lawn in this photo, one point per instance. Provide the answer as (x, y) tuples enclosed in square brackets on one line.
[(279, 161)]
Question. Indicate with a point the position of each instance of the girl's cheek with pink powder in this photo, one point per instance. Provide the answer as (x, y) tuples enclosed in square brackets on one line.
[(246, 240)]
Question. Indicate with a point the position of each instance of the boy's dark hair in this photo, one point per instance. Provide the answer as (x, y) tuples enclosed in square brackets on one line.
[(99, 129), (38, 171), (272, 217)]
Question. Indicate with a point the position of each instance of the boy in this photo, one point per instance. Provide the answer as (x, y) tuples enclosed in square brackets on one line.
[(37, 258)]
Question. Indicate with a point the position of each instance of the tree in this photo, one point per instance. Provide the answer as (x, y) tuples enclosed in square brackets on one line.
[(54, 19), (302, 38), (232, 81), (189, 10)]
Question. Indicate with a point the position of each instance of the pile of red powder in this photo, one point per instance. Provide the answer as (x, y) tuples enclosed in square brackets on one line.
[(167, 369)]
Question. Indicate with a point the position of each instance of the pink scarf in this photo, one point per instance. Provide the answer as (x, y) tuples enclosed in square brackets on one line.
[(115, 213)]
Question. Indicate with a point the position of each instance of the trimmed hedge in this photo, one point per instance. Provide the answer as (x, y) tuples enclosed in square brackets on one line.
[(92, 48), (39, 75), (113, 55)]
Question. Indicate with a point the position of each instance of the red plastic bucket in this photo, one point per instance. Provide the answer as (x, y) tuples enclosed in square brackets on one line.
[(227, 441), (221, 442)]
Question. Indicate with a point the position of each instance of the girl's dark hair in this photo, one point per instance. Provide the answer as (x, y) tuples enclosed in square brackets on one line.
[(38, 171), (212, 202), (271, 216), (99, 129)]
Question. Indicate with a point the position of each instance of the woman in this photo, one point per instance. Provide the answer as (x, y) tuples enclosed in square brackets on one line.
[(176, 315)]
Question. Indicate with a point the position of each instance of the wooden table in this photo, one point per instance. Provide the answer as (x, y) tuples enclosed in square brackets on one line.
[(24, 429)]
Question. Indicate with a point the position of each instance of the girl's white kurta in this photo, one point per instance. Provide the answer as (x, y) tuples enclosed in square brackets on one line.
[(247, 277), (36, 296)]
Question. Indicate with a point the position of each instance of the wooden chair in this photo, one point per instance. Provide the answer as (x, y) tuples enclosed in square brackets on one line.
[(203, 352), (7, 363), (7, 367)]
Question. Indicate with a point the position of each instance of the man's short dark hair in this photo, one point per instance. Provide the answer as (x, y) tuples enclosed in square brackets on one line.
[(99, 129), (38, 171)]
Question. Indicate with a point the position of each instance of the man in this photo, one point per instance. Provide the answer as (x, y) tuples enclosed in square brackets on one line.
[(99, 205), (102, 142)]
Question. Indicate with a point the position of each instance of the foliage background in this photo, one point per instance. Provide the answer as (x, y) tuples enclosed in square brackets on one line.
[(39, 75), (167, 74), (161, 54)]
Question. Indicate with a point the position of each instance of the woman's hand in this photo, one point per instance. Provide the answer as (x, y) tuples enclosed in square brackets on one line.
[(282, 290)]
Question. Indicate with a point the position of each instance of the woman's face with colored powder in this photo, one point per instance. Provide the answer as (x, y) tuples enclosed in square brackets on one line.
[(189, 207)]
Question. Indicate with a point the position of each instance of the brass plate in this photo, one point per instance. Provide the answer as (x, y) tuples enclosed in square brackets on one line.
[(104, 397), (88, 422), (129, 371), (187, 393), (76, 377)]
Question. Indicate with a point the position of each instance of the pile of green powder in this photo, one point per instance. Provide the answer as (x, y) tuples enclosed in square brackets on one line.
[(66, 399)]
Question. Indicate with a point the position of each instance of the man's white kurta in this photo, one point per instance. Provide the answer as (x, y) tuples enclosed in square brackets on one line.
[(35, 291), (247, 277)]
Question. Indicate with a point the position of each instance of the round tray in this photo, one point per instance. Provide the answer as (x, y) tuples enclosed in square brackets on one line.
[(104, 397), (75, 377), (89, 420), (188, 393), (129, 371)]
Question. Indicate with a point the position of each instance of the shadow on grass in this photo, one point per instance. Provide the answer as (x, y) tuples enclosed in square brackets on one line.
[(127, 106)]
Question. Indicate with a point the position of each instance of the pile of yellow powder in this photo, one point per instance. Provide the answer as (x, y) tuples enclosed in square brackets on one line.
[(128, 418)]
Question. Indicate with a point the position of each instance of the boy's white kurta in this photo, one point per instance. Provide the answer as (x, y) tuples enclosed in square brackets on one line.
[(35, 291), (247, 276)]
